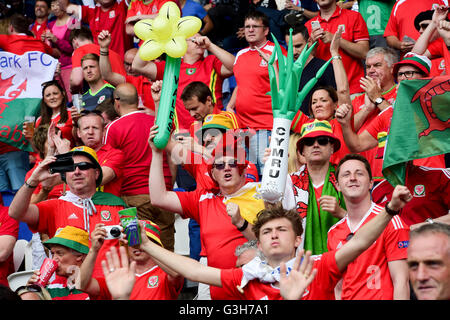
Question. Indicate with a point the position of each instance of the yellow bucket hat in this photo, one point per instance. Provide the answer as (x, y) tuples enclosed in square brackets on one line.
[(71, 237), (222, 121)]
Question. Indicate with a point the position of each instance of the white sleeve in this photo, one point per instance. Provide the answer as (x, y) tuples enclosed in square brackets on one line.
[(288, 199)]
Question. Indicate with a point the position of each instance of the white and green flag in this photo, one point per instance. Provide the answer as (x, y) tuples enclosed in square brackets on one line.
[(20, 92)]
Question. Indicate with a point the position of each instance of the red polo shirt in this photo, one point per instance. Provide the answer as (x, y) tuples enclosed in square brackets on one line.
[(355, 29), (253, 104), (206, 70)]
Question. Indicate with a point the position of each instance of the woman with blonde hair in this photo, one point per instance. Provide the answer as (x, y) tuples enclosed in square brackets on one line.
[(295, 160)]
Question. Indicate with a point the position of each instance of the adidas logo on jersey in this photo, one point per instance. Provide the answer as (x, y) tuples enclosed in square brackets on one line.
[(73, 216)]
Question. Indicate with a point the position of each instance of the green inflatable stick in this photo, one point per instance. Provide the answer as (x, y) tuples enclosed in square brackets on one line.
[(166, 109), (167, 33)]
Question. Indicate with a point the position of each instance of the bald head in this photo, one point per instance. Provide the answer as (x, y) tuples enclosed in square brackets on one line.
[(128, 61), (131, 53), (126, 94)]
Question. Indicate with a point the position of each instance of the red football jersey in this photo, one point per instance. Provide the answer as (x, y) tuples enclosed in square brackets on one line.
[(114, 159), (114, 58), (206, 70), (430, 188), (401, 20), (151, 285), (218, 235), (20, 43), (368, 277), (253, 105), (57, 213), (112, 20), (355, 29), (327, 276), (129, 134)]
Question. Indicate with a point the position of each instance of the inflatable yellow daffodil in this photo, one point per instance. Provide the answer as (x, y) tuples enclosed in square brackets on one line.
[(167, 33)]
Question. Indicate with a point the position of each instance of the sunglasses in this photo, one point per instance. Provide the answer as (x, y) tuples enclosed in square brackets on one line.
[(83, 166), (221, 166), (323, 141)]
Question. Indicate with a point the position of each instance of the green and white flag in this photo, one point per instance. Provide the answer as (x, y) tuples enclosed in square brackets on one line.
[(420, 125), (20, 92)]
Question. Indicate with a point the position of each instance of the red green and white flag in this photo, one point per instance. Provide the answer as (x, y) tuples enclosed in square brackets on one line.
[(21, 77), (420, 125)]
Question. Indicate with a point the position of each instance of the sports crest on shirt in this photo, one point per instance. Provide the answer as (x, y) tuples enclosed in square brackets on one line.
[(190, 71), (419, 190), (101, 99), (153, 282), (105, 215)]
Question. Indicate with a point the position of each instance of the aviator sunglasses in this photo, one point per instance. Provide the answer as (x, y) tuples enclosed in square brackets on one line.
[(221, 166)]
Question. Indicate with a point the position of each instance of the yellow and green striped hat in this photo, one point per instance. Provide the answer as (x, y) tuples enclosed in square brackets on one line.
[(317, 128), (71, 237)]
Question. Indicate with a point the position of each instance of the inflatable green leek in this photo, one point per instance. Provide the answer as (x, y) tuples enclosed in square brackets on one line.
[(286, 101), (167, 33)]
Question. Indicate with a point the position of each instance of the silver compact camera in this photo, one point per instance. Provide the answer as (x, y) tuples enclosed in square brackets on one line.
[(113, 232)]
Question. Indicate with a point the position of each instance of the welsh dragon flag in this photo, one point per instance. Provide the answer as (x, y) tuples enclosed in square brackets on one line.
[(20, 92), (420, 125)]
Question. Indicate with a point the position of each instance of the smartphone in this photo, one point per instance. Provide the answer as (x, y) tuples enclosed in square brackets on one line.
[(408, 39), (315, 24)]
